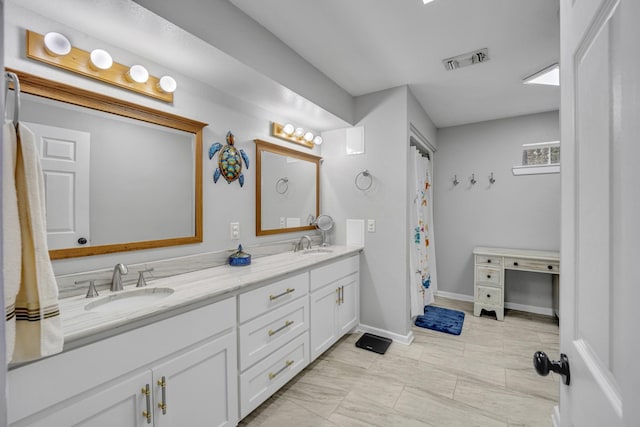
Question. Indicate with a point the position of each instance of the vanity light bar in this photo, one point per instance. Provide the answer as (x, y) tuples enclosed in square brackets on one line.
[(98, 65), (290, 133)]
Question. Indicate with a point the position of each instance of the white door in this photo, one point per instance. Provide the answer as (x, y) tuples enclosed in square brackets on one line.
[(199, 387), (600, 128), (348, 309), (64, 156), (322, 319)]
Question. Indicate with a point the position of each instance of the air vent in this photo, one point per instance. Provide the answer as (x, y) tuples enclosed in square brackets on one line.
[(466, 59)]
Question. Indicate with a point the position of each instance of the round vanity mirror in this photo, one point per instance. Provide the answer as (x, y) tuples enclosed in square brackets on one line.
[(324, 223)]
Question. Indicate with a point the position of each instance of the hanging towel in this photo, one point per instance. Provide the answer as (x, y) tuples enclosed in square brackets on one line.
[(11, 249), (38, 323)]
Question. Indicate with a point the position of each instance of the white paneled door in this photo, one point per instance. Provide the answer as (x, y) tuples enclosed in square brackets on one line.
[(600, 128), (64, 156)]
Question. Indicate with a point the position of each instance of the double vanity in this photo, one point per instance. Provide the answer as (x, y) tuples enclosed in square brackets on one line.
[(201, 348)]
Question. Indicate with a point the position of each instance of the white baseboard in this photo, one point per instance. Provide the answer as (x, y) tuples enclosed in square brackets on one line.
[(510, 305), (401, 339)]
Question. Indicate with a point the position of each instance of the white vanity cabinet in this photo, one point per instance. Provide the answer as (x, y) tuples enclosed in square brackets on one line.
[(335, 302), (104, 383), (273, 338)]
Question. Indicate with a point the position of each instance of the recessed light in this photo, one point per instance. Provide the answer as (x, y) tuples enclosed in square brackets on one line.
[(547, 76), (426, 1)]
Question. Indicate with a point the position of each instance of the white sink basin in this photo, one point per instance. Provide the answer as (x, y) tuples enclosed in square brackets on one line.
[(128, 300), (317, 251)]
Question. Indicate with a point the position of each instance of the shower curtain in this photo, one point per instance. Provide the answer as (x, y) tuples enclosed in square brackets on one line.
[(421, 247)]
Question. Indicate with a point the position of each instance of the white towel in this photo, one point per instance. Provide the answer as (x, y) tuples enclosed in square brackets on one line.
[(11, 249), (38, 324)]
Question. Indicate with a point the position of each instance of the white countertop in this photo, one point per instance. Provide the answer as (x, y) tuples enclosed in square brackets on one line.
[(190, 289)]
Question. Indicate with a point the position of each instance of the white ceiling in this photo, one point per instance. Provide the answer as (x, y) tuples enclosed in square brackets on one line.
[(370, 45)]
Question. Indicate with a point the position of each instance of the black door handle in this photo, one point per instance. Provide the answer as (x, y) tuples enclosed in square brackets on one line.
[(543, 365)]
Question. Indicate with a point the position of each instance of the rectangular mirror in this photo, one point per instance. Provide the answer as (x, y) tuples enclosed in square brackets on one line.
[(118, 176), (288, 191)]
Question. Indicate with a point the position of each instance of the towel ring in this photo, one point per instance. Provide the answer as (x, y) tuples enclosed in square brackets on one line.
[(367, 180), (12, 77), (282, 184)]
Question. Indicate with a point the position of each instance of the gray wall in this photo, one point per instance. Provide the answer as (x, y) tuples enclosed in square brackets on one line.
[(516, 211)]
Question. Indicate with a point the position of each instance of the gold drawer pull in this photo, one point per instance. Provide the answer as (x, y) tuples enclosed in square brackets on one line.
[(286, 325), (147, 414), (288, 291), (272, 375), (163, 405)]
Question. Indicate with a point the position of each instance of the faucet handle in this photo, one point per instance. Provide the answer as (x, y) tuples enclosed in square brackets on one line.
[(141, 281), (92, 291)]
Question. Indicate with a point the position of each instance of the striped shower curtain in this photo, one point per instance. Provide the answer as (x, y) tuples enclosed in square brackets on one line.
[(421, 247)]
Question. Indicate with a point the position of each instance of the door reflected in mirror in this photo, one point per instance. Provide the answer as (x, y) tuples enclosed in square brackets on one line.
[(118, 176), (287, 197)]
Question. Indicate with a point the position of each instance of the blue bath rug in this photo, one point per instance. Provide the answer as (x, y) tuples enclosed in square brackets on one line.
[(441, 319)]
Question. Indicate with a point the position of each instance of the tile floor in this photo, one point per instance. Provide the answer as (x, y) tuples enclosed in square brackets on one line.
[(484, 377)]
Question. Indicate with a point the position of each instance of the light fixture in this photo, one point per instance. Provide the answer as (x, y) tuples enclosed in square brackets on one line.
[(55, 44), (288, 129), (167, 84), (298, 135), (547, 76), (426, 1), (100, 60), (55, 49), (138, 74), (466, 59)]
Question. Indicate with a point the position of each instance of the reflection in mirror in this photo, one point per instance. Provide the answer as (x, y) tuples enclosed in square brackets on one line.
[(287, 197), (117, 176)]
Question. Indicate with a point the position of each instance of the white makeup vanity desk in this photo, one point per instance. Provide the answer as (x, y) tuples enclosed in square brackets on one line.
[(489, 274)]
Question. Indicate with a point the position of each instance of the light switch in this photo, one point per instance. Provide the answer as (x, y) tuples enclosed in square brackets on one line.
[(235, 230), (371, 225)]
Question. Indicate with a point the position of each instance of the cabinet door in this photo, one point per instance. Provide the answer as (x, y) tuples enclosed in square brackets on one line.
[(119, 404), (200, 386), (349, 308), (323, 313)]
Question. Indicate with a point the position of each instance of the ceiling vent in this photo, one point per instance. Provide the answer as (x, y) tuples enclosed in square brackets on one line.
[(466, 59)]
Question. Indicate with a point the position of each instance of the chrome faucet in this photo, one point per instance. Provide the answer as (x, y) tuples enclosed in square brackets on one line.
[(116, 280), (300, 245)]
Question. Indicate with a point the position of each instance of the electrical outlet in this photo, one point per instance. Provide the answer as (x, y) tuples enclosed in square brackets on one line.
[(371, 225), (235, 230)]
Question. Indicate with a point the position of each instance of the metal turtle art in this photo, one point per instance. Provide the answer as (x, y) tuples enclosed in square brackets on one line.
[(229, 161)]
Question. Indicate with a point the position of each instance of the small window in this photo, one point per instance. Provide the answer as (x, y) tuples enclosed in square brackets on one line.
[(539, 158)]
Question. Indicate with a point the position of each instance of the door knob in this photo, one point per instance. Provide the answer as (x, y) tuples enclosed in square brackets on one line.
[(543, 365)]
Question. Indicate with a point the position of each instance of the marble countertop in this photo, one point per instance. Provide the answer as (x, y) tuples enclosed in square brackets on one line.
[(190, 290)]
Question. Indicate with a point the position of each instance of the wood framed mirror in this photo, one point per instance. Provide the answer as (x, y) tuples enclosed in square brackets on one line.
[(287, 191), (138, 187)]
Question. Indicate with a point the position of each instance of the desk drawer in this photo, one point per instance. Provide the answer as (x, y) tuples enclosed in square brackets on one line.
[(489, 260), (532, 265), (489, 295), (489, 275)]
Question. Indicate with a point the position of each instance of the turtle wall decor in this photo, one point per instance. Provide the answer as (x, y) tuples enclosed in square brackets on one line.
[(229, 161)]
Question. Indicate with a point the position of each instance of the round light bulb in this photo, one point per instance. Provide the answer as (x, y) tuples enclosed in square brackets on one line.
[(317, 140), (308, 137), (138, 74), (100, 60), (288, 129), (55, 44), (167, 84), (298, 133)]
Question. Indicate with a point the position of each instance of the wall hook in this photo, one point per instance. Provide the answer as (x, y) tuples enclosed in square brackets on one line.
[(491, 179), (473, 179), (455, 180)]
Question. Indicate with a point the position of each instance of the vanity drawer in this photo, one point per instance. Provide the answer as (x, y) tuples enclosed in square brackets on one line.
[(330, 273), (266, 377), (489, 260), (262, 336), (277, 294), (489, 295), (532, 265), (488, 275)]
